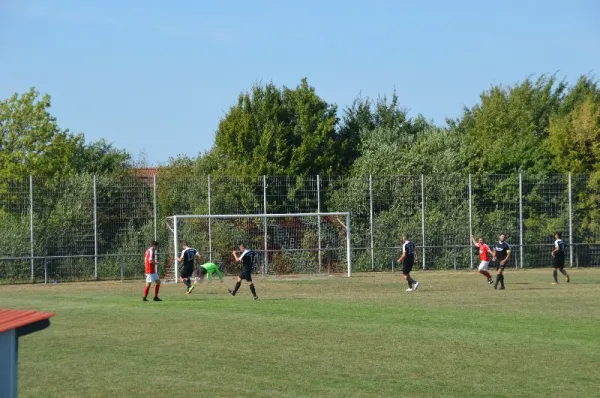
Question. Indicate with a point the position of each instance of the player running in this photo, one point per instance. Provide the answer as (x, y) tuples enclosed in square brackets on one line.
[(188, 257), (151, 274), (207, 270), (501, 254), (558, 257), (246, 258), (484, 256), (408, 259)]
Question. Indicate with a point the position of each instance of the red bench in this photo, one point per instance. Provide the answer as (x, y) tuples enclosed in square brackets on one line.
[(14, 324)]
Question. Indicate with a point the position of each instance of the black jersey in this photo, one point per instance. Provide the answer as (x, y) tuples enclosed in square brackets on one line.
[(189, 255), (409, 249), (247, 259), (562, 246), (501, 250)]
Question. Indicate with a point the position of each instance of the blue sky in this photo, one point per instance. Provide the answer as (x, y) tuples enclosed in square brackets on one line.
[(155, 77)]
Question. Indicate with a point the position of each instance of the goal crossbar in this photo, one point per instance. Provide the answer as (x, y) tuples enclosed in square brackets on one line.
[(346, 215)]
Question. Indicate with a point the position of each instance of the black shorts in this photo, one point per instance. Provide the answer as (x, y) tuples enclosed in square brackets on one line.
[(559, 262), (246, 274), (187, 271), (407, 266)]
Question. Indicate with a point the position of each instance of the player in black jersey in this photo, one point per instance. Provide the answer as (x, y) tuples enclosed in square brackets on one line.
[(408, 259), (501, 255), (247, 259), (189, 256), (558, 255)]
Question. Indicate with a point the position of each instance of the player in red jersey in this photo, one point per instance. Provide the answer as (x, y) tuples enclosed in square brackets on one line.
[(151, 274), (484, 256)]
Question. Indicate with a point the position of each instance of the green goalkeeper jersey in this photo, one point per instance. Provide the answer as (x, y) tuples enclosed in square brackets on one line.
[(212, 268)]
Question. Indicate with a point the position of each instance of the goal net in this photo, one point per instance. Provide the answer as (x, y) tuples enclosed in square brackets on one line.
[(285, 244)]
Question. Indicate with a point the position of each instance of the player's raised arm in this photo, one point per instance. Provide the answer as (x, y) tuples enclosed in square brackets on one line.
[(235, 256), (474, 241)]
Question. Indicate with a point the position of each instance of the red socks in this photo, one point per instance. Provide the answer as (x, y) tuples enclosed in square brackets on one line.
[(486, 274), (147, 289)]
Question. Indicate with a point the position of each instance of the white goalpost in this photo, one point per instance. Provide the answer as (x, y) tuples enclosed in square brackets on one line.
[(289, 243)]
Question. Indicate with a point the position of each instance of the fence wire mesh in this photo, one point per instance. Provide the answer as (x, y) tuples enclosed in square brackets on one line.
[(85, 227)]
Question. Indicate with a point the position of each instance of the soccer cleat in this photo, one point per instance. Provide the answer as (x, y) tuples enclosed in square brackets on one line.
[(156, 299), (568, 279), (501, 287), (416, 286), (255, 298), (409, 289), (231, 292), (144, 299), (190, 289), (490, 281), (555, 283)]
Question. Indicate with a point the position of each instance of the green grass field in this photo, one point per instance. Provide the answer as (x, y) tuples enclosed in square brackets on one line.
[(329, 336)]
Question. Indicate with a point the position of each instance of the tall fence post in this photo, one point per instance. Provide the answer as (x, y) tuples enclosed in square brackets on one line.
[(371, 221), (209, 222), (570, 221), (266, 263), (31, 225), (175, 248), (521, 249), (155, 206), (349, 245), (470, 218), (96, 231), (423, 215), (319, 220)]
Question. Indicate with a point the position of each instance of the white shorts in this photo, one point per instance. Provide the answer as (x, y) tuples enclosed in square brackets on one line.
[(483, 266), (151, 278)]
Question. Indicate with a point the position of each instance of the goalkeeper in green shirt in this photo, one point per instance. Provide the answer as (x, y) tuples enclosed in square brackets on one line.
[(208, 269)]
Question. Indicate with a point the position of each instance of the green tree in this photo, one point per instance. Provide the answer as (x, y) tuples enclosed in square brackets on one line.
[(31, 143), (506, 132), (574, 142), (364, 116), (574, 139), (280, 131), (100, 157)]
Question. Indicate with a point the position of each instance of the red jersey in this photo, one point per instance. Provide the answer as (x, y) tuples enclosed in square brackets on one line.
[(150, 261), (483, 251)]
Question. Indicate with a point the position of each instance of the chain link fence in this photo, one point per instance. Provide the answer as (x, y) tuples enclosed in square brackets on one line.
[(86, 227)]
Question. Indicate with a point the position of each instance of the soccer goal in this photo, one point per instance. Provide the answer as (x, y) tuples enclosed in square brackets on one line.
[(285, 244)]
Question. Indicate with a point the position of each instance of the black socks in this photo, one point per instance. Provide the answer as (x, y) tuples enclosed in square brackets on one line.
[(555, 275), (253, 290), (237, 286)]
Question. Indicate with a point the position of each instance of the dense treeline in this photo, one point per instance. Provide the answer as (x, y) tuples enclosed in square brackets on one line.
[(536, 127)]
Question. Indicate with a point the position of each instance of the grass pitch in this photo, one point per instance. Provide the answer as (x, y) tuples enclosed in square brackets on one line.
[(332, 336)]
